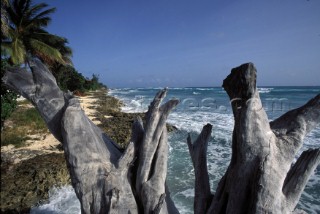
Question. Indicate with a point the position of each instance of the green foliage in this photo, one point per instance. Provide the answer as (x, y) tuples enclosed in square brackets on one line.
[(12, 138), (32, 118), (25, 121), (93, 83), (68, 78), (8, 97), (76, 82), (4, 18), (8, 104), (26, 35)]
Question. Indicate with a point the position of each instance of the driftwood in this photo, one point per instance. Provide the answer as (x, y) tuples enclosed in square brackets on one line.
[(259, 179), (105, 179)]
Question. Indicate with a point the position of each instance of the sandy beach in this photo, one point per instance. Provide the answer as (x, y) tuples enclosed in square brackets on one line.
[(46, 143)]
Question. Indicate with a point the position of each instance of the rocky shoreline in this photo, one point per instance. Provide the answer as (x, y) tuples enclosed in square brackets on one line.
[(25, 184), (29, 172)]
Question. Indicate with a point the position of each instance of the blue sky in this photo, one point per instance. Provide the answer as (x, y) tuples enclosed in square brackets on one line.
[(159, 43)]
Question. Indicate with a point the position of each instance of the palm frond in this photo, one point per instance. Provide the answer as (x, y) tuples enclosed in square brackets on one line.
[(20, 7), (37, 23), (4, 18), (18, 51), (6, 48), (43, 14), (27, 36), (46, 50), (13, 15), (58, 42), (26, 6), (36, 9)]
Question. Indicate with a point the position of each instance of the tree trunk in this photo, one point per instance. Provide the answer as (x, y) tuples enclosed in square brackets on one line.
[(105, 179), (259, 179)]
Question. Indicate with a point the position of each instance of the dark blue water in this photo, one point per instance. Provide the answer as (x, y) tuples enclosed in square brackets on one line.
[(199, 106)]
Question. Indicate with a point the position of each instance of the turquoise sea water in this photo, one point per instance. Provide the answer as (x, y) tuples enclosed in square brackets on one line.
[(199, 106)]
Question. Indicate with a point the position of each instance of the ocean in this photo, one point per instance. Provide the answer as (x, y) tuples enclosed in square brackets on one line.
[(199, 106)]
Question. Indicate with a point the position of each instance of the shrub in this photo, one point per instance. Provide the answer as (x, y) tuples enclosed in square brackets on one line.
[(68, 78), (8, 97)]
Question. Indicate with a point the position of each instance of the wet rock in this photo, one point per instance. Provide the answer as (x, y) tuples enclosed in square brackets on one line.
[(25, 184)]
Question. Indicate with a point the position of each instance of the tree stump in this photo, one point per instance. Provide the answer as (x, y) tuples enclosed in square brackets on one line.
[(261, 177)]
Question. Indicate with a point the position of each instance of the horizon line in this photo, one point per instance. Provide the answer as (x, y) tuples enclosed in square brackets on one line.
[(261, 86)]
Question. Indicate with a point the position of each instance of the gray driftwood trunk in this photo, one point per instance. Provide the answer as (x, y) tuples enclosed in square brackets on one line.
[(259, 179)]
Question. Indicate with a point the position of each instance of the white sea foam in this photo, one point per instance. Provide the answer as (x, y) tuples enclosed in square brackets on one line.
[(312, 138), (122, 91), (177, 88), (194, 122), (135, 105), (307, 201), (205, 89), (61, 201), (188, 193), (116, 91), (264, 90)]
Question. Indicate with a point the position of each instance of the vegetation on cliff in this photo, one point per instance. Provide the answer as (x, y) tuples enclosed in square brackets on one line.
[(24, 37), (26, 183)]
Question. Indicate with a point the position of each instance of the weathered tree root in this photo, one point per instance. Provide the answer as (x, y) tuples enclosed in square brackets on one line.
[(260, 177)]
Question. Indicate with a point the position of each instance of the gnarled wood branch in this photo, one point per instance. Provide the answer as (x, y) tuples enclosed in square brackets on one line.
[(40, 87), (102, 176), (153, 155), (294, 125), (260, 177), (198, 153)]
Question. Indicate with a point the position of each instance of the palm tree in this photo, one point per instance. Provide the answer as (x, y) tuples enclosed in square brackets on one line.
[(4, 18), (27, 37)]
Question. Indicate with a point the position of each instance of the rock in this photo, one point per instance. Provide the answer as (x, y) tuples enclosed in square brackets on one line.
[(118, 126), (171, 128), (25, 184)]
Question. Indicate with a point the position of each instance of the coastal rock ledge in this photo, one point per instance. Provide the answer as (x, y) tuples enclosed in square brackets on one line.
[(25, 184)]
